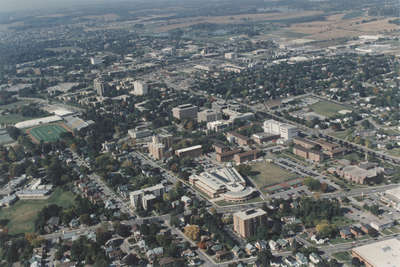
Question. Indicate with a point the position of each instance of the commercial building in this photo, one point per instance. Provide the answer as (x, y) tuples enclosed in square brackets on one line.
[(239, 139), (218, 126), (379, 254), (146, 196), (245, 223), (191, 152), (209, 115), (261, 138), (361, 174), (98, 85), (226, 183), (284, 130), (310, 154), (392, 197), (227, 155), (140, 88), (237, 116), (186, 111), (246, 156), (139, 132)]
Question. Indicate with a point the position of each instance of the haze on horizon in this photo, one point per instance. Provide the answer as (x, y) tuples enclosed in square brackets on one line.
[(21, 5)]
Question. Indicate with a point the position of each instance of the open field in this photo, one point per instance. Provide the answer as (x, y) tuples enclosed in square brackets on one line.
[(13, 118), (327, 108), (343, 26), (234, 19), (22, 214), (267, 174), (46, 133)]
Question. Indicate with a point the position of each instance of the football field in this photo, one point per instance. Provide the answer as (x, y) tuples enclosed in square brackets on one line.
[(46, 133)]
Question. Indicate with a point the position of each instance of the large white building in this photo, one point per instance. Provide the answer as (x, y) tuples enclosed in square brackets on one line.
[(379, 254), (145, 196), (37, 122), (140, 88), (284, 130), (98, 85), (223, 182), (209, 115)]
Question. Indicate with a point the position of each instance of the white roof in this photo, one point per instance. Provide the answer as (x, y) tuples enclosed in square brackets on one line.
[(188, 149), (36, 122), (395, 192), (248, 214), (381, 254)]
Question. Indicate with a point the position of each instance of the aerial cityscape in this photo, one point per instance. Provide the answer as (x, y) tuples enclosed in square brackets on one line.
[(200, 133)]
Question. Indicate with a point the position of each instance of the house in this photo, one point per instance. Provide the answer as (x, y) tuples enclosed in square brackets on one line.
[(290, 261), (237, 251), (315, 258), (250, 249), (345, 233), (261, 245), (273, 245), (282, 243), (222, 254), (356, 231), (186, 200), (301, 259)]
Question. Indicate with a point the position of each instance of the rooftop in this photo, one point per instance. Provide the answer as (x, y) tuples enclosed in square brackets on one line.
[(383, 254), (249, 214)]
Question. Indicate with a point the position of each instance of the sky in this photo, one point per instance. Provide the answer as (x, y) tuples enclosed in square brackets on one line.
[(16, 5)]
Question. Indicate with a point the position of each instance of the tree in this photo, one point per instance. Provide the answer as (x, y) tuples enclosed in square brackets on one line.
[(264, 258), (192, 231), (85, 219), (132, 260)]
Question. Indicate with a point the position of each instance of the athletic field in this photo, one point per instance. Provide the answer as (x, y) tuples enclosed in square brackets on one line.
[(46, 133)]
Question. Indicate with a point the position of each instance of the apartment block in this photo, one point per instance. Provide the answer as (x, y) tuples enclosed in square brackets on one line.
[(245, 223)]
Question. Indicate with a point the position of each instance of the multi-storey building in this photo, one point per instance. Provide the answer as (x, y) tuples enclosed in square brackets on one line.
[(286, 131), (186, 111), (245, 223), (209, 115)]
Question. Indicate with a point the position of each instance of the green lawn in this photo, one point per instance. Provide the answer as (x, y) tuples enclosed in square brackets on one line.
[(327, 108), (342, 256), (47, 133), (266, 174), (13, 118), (22, 214)]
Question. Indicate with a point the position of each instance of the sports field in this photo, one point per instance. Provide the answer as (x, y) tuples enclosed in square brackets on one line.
[(46, 133), (268, 174), (327, 108), (22, 214)]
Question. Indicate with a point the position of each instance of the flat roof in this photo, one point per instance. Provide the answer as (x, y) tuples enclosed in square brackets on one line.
[(381, 254), (395, 192), (188, 149), (248, 214)]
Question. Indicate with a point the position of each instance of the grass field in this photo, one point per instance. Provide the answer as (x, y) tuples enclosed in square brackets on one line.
[(22, 214), (327, 108), (269, 174), (13, 118), (46, 133)]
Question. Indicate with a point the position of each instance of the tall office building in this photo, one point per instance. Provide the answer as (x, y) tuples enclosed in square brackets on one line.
[(286, 131), (98, 85), (245, 223), (186, 111), (140, 88), (209, 115)]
